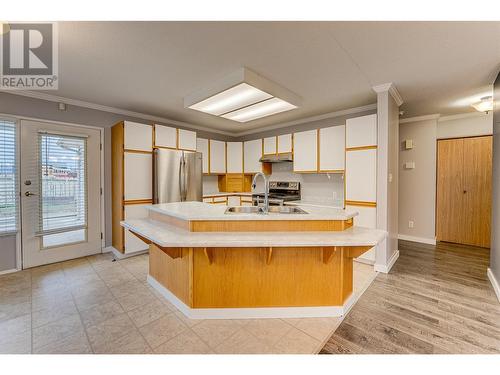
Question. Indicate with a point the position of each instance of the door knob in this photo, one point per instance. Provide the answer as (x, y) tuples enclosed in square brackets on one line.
[(29, 194)]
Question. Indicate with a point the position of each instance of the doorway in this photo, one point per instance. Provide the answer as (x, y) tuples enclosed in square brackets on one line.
[(60, 186), (463, 196)]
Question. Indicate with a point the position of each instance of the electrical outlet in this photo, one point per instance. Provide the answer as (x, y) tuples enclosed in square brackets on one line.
[(410, 224)]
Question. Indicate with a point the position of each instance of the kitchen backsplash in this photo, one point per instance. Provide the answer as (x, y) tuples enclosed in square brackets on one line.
[(316, 188)]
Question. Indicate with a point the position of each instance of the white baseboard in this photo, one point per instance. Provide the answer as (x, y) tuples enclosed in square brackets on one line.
[(119, 255), (385, 268), (429, 241), (253, 313), (494, 283), (9, 271)]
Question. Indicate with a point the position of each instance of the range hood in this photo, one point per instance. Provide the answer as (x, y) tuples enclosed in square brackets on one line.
[(277, 158)]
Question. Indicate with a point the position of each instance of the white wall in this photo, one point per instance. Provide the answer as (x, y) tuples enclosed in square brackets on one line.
[(417, 187), (466, 125)]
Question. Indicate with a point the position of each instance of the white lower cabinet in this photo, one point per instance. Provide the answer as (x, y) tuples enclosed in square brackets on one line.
[(367, 218), (233, 201), (132, 243)]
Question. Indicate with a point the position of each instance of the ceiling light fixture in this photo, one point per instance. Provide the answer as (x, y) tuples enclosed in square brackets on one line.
[(484, 105), (243, 96)]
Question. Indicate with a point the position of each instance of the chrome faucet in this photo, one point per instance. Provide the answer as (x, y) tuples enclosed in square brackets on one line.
[(266, 192)]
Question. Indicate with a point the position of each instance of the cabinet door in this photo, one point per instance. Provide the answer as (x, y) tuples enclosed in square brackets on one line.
[(132, 243), (165, 136), (305, 151), (202, 146), (270, 145), (252, 154), (234, 157), (284, 143), (187, 140), (361, 175), (138, 176), (367, 218), (217, 157), (233, 201), (332, 148), (138, 136), (361, 131)]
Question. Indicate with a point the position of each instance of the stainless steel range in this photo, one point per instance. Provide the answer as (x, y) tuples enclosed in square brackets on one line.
[(279, 193)]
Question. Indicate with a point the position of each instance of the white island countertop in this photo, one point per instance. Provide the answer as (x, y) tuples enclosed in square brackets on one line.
[(166, 235), (199, 211)]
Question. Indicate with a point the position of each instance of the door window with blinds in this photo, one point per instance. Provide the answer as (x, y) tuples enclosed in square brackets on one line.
[(62, 210), (9, 197)]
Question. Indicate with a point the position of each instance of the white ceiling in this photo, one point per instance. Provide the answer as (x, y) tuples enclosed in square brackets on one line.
[(149, 67)]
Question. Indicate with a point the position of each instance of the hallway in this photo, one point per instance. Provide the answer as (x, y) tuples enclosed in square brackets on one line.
[(436, 299)]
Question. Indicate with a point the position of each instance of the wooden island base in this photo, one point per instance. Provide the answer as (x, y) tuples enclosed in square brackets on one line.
[(253, 278)]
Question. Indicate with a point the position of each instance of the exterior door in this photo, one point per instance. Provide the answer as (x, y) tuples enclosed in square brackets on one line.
[(60, 192), (463, 197)]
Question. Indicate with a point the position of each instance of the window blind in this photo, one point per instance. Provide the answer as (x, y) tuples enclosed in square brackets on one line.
[(9, 197), (63, 186)]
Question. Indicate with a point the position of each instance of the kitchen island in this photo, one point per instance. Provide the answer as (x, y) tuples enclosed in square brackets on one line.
[(213, 264)]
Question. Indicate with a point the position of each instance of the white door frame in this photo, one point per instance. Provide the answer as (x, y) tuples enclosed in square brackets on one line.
[(18, 120)]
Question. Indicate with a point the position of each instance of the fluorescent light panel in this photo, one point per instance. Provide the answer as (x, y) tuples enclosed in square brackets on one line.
[(231, 99), (262, 109)]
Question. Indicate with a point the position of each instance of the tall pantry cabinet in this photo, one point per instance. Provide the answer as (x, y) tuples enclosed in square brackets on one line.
[(361, 173), (131, 180)]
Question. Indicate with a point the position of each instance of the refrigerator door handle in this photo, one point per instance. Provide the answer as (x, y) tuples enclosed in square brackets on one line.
[(181, 172)]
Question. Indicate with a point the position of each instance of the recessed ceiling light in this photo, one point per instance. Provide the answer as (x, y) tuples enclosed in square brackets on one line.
[(484, 105), (243, 96), (236, 97), (262, 109)]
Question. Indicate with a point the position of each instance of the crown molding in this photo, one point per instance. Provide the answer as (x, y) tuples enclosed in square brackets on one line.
[(392, 90), (324, 116), (435, 116), (463, 115), (119, 111)]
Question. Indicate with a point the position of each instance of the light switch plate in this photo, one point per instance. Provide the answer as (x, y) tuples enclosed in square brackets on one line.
[(408, 144), (410, 165)]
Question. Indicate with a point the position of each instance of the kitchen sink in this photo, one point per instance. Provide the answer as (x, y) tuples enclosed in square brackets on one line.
[(260, 210)]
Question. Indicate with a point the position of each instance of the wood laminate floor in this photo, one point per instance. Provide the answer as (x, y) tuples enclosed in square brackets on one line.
[(436, 299)]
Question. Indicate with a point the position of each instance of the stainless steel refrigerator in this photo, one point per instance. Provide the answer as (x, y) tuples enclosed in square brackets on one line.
[(177, 176)]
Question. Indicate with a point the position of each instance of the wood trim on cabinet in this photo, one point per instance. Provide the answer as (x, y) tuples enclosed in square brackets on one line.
[(361, 148), (117, 185), (130, 151), (269, 226), (167, 148), (360, 203), (137, 201)]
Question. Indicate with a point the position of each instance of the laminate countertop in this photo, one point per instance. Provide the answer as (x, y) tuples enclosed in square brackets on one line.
[(199, 211), (166, 235)]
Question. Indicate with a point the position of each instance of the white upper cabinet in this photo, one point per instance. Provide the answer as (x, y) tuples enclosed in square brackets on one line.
[(138, 176), (361, 175), (284, 143), (217, 157), (165, 136), (187, 140), (270, 145), (305, 151), (234, 157), (361, 131), (138, 136), (252, 154), (332, 148), (202, 146)]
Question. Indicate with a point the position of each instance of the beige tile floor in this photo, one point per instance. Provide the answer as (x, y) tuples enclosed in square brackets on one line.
[(94, 305)]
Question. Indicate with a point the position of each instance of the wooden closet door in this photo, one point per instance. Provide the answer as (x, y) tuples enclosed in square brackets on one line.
[(449, 195), (477, 191)]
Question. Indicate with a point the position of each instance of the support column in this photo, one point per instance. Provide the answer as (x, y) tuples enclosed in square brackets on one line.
[(388, 102)]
